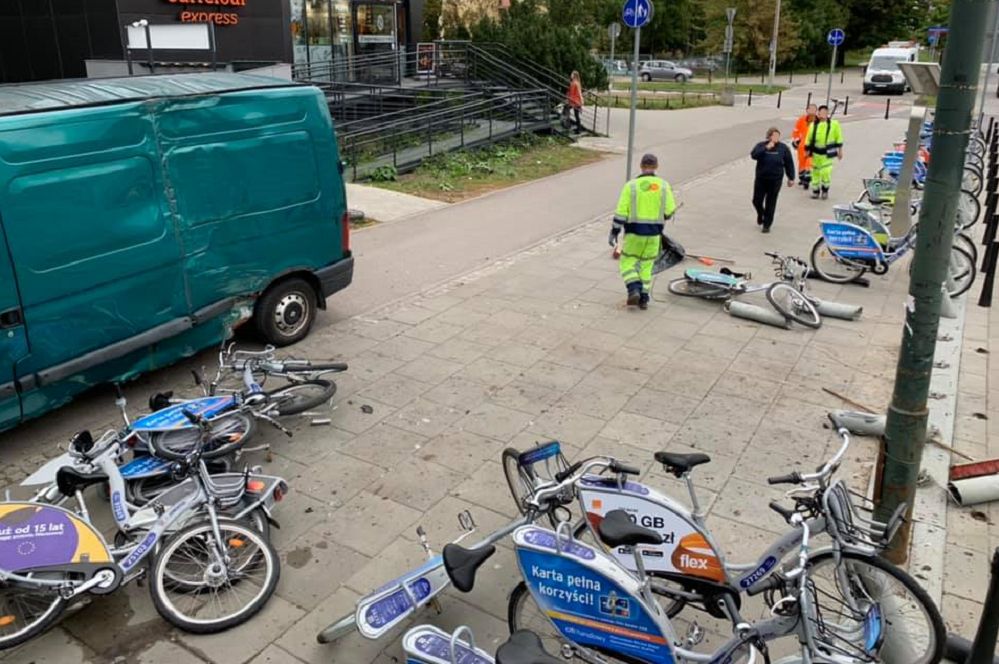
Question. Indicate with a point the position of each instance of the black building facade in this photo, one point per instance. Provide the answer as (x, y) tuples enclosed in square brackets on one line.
[(52, 39)]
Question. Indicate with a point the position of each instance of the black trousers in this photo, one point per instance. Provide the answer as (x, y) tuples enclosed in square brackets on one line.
[(765, 192), (579, 123)]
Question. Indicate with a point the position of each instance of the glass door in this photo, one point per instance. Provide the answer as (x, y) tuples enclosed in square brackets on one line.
[(376, 37)]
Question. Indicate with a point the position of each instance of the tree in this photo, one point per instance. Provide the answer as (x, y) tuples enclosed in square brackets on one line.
[(815, 19), (752, 29), (561, 43), (873, 23), (432, 20)]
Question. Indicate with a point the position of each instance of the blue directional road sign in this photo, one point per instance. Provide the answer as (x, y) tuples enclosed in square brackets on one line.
[(836, 37), (637, 13)]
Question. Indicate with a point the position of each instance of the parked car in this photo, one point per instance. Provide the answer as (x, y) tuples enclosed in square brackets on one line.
[(882, 73), (664, 70), (702, 64), (615, 67), (144, 217)]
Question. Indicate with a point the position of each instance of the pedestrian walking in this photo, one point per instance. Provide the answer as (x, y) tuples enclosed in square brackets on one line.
[(646, 202), (824, 143), (574, 98), (774, 161), (799, 143)]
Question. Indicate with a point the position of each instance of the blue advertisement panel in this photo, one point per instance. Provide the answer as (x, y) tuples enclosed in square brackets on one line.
[(173, 417), (849, 241), (587, 606)]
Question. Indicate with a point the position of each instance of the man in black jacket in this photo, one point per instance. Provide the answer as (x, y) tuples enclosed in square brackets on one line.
[(773, 161)]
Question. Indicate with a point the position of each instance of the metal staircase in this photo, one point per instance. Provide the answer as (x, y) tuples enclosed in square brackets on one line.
[(388, 114)]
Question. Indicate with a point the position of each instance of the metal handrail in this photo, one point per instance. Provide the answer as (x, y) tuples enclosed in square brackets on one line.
[(343, 127)]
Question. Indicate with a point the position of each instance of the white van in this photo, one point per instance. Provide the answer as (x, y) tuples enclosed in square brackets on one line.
[(883, 73)]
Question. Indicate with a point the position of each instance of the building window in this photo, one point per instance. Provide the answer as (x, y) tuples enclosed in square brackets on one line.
[(298, 38), (320, 31)]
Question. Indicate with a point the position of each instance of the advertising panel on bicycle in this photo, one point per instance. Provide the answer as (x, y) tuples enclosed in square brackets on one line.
[(590, 599)]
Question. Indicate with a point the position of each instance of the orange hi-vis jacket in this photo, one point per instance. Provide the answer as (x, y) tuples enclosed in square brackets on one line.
[(799, 135)]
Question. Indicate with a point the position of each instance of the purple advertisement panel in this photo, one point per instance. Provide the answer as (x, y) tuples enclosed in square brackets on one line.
[(33, 536)]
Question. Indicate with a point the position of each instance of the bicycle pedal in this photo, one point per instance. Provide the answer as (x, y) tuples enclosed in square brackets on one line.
[(695, 634)]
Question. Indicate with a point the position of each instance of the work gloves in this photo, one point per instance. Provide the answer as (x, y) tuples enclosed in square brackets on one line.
[(612, 237)]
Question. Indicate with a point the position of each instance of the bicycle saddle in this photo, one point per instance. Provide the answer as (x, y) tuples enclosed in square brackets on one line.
[(461, 564), (69, 480), (678, 464), (617, 530), (524, 647)]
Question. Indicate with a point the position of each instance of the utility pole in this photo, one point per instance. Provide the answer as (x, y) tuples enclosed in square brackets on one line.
[(773, 46), (988, 70), (905, 429)]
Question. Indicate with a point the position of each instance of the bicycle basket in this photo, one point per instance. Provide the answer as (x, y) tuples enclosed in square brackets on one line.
[(880, 190), (534, 467), (839, 631), (850, 518)]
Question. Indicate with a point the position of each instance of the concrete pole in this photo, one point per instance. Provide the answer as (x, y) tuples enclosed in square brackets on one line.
[(773, 46), (905, 427), (634, 101)]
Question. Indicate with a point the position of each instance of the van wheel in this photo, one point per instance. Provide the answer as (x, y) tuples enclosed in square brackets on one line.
[(286, 311)]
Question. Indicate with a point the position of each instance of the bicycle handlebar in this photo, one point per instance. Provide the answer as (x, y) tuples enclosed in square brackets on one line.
[(823, 472)]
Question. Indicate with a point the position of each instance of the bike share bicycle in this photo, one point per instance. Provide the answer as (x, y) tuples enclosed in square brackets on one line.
[(207, 572), (787, 295), (690, 569), (604, 612)]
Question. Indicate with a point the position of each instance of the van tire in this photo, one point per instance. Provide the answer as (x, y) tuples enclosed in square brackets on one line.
[(284, 314)]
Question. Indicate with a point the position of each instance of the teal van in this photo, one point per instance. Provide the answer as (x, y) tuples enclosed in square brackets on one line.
[(140, 218)]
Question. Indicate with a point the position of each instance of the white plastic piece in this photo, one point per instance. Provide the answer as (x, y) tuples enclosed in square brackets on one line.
[(947, 307), (860, 424), (975, 490), (758, 314)]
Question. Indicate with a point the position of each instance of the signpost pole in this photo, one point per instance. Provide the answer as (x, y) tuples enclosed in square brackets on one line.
[(634, 100), (832, 68), (614, 29), (773, 46)]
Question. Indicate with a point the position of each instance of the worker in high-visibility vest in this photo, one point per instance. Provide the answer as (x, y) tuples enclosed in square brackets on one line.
[(798, 141), (824, 143), (646, 202)]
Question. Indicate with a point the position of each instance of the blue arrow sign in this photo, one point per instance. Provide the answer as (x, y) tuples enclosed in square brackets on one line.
[(836, 37), (637, 13)]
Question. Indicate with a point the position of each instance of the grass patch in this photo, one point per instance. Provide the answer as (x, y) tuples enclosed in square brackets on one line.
[(463, 174), (669, 86), (664, 103)]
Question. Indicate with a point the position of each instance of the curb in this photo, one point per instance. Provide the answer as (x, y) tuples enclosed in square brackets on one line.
[(929, 514)]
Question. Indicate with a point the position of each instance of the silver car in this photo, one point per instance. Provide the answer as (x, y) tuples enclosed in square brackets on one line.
[(664, 70)]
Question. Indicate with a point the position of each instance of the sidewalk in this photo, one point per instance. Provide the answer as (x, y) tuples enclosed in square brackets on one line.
[(534, 347)]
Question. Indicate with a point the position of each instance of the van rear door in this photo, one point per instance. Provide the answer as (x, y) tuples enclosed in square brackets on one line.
[(13, 338)]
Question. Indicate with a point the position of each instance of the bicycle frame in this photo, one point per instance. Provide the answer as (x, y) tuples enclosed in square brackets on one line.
[(851, 243)]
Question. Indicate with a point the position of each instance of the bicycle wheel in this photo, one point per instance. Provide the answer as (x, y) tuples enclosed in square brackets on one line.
[(688, 288), (971, 181), (299, 397), (965, 242), (195, 591), (961, 273), (914, 631), (831, 268), (968, 210), (229, 432), (26, 612), (789, 301)]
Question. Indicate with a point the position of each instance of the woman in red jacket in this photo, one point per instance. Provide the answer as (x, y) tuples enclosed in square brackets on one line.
[(574, 97)]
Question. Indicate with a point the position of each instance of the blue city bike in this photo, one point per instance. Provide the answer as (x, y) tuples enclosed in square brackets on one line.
[(601, 611), (845, 251)]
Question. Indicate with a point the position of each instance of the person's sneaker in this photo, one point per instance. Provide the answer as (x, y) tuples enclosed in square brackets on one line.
[(766, 229), (825, 194), (643, 302), (634, 299), (815, 194)]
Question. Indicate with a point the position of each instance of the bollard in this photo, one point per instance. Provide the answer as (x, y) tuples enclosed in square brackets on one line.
[(985, 299), (763, 77), (709, 77), (809, 102), (816, 79), (790, 77), (842, 73), (737, 78), (839, 310), (779, 93), (750, 96), (846, 106), (758, 314), (985, 638), (887, 107)]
